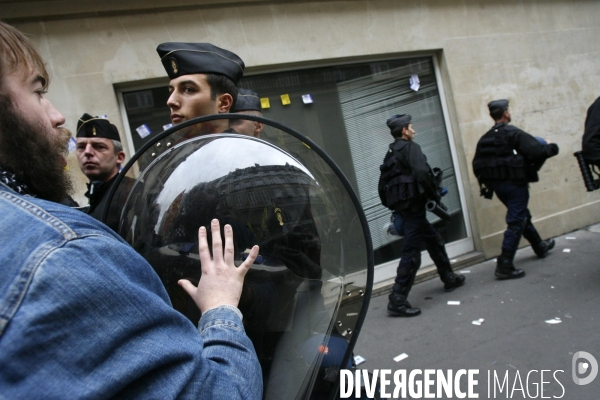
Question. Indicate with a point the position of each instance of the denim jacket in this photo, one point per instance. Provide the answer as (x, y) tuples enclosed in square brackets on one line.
[(82, 315)]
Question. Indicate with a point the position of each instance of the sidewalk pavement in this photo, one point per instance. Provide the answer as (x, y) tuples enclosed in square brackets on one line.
[(531, 324)]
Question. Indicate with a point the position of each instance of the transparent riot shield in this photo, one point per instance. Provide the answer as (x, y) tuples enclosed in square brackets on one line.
[(306, 296)]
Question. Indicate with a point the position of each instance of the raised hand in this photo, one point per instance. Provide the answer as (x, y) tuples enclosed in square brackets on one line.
[(221, 281)]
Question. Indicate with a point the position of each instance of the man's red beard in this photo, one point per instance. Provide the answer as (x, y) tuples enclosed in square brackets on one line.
[(34, 153)]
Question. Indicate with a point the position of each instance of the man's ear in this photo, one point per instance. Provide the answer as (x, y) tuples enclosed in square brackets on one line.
[(120, 157), (224, 103), (258, 127)]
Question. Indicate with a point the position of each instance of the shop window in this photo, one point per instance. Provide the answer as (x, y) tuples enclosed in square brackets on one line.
[(343, 108)]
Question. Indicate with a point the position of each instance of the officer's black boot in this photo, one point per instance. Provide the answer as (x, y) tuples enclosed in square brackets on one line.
[(542, 248), (539, 246), (437, 252), (452, 281), (400, 307), (505, 268)]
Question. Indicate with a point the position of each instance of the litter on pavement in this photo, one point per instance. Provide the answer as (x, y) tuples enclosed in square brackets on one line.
[(359, 359), (400, 357)]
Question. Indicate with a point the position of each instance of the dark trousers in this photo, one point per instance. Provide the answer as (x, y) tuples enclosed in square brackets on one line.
[(518, 217), (417, 230)]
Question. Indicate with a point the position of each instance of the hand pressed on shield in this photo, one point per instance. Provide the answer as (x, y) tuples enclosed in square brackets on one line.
[(221, 281)]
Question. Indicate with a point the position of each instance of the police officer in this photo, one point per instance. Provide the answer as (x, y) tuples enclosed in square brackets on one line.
[(408, 182), (203, 82), (591, 136), (506, 160), (100, 155), (247, 103)]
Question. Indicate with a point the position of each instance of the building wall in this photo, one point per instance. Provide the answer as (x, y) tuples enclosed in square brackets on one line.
[(544, 56)]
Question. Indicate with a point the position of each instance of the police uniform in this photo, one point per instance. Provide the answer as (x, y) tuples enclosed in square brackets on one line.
[(97, 193), (274, 299), (506, 160), (406, 184), (591, 136)]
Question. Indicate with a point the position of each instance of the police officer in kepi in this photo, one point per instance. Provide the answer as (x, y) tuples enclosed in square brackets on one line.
[(506, 160), (100, 155), (203, 80), (248, 103), (406, 183)]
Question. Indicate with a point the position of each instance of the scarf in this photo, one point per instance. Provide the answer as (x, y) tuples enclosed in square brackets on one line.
[(10, 180)]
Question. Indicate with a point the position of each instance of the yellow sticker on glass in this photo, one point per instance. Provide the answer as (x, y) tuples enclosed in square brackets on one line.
[(264, 102), (285, 99)]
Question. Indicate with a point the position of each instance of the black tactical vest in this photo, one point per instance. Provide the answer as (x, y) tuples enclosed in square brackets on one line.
[(397, 186), (496, 160)]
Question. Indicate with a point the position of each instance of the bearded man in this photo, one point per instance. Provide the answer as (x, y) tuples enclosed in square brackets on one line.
[(83, 315)]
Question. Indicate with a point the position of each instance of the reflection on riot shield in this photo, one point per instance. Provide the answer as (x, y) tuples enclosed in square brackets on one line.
[(306, 291)]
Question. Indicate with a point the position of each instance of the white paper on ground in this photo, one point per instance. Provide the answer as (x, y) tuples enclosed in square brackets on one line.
[(359, 360)]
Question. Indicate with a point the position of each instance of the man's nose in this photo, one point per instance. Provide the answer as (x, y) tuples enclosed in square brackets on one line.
[(88, 149), (173, 101), (56, 118)]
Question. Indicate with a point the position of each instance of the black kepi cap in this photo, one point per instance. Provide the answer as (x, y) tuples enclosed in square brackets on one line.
[(96, 127), (247, 100), (199, 58), (497, 105), (398, 121)]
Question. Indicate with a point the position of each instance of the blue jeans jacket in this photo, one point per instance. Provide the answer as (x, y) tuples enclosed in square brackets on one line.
[(82, 315)]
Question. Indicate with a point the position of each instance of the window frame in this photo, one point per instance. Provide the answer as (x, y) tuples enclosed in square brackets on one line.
[(387, 270)]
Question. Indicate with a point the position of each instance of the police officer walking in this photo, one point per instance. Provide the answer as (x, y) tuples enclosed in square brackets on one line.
[(590, 147), (406, 184), (506, 160)]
